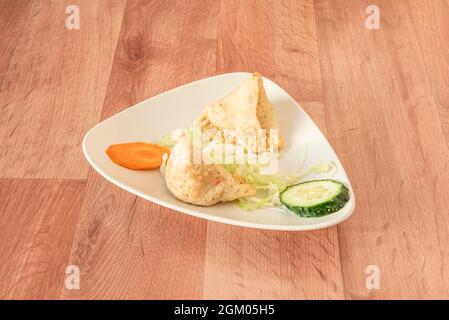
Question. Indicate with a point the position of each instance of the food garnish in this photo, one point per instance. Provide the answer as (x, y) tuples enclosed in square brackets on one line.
[(137, 155), (315, 198)]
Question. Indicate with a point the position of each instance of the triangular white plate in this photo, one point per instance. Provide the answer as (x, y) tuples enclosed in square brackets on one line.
[(177, 108)]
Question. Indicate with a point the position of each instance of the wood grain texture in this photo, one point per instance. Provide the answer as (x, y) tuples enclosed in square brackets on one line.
[(13, 20), (38, 222), (380, 96), (54, 88), (162, 45), (430, 24), (278, 39), (391, 135), (257, 264), (153, 252), (127, 248)]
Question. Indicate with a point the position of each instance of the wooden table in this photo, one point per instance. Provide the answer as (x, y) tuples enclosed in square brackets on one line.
[(381, 97)]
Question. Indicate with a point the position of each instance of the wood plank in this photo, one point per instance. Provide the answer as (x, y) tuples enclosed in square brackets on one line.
[(38, 222), (389, 136), (54, 88), (380, 96), (430, 25), (245, 263), (127, 247), (257, 264), (276, 38), (251, 264), (13, 17), (161, 51)]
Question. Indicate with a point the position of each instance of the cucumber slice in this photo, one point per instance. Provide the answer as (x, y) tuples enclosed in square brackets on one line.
[(315, 198)]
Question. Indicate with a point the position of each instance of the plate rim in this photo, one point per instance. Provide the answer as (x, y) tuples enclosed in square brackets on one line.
[(229, 221)]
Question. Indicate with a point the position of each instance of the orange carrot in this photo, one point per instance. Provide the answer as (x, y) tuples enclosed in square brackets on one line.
[(137, 155)]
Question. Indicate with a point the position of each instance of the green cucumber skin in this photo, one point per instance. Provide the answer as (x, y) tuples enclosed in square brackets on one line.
[(322, 209)]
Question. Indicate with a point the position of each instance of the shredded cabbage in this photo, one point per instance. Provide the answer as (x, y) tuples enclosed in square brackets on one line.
[(326, 167), (169, 140), (268, 186)]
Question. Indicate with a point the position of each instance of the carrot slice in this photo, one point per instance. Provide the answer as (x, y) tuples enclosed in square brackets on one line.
[(137, 155)]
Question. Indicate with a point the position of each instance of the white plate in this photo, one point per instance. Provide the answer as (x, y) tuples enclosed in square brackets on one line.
[(177, 108)]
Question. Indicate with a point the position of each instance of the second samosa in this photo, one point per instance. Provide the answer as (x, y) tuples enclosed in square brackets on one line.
[(247, 111)]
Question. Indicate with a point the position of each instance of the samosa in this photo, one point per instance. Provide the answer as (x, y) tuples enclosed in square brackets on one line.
[(246, 111), (200, 183)]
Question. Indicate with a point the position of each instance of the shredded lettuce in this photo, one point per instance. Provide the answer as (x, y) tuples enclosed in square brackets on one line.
[(169, 140), (321, 167), (268, 186)]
